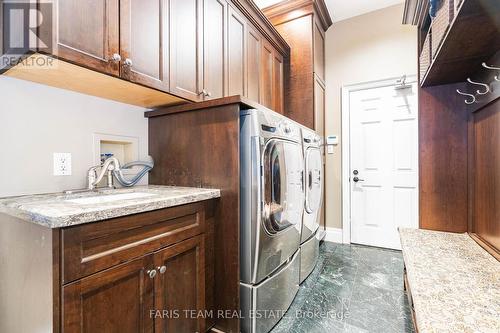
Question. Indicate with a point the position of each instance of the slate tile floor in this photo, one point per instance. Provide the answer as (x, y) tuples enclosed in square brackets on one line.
[(352, 289)]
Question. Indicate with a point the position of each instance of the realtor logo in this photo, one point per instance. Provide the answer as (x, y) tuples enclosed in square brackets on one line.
[(26, 27)]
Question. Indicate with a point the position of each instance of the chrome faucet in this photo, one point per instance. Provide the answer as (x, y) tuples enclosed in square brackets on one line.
[(111, 168), (107, 168)]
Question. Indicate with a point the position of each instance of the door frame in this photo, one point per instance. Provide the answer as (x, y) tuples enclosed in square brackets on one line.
[(346, 145)]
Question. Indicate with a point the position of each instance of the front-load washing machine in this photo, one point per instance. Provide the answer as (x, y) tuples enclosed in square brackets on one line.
[(272, 201)]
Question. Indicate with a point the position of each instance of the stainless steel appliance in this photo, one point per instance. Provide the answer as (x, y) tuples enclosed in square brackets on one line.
[(272, 201), (313, 171)]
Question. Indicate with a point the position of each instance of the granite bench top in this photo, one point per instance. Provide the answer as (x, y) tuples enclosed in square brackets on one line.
[(454, 283), (58, 210)]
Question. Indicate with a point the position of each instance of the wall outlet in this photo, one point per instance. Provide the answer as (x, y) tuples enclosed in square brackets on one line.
[(62, 164)]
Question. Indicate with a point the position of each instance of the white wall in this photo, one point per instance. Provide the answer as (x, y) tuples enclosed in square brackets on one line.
[(37, 121), (369, 47)]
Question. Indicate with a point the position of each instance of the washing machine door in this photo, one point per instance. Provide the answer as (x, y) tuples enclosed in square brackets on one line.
[(283, 206), (282, 186), (313, 191)]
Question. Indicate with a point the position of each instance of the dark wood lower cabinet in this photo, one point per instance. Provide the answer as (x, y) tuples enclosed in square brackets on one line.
[(115, 300), (158, 288), (180, 287)]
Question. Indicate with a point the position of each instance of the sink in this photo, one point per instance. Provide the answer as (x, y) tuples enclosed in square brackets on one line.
[(110, 198)]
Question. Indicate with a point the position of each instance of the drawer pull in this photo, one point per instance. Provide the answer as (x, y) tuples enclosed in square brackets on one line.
[(151, 273), (162, 269)]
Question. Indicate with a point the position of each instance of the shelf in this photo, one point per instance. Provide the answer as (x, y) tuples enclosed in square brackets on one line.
[(473, 37)]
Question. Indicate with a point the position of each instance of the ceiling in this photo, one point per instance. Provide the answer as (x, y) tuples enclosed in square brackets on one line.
[(344, 9)]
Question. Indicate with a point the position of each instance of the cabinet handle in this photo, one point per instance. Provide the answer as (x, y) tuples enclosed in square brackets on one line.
[(151, 273), (162, 269), (127, 62), (116, 57)]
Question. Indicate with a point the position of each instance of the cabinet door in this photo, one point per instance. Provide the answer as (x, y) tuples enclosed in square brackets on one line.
[(236, 54), (319, 51), (116, 300), (254, 41), (266, 75), (277, 97), (214, 49), (186, 48), (319, 127), (87, 33), (143, 42), (180, 286), (319, 106)]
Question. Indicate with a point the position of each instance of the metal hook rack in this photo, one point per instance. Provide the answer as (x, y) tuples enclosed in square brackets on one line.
[(492, 68), (486, 87), (468, 95)]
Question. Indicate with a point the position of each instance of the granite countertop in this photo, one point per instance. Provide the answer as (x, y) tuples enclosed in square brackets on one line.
[(454, 283), (58, 210)]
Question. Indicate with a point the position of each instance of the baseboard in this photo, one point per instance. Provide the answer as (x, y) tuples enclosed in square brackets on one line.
[(333, 235)]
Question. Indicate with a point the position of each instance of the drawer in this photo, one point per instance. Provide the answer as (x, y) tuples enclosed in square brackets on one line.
[(90, 248)]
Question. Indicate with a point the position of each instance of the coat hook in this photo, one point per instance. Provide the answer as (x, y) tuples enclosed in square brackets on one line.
[(487, 87), (468, 95), (493, 68)]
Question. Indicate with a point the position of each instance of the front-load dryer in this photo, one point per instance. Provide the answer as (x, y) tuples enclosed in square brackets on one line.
[(272, 201), (313, 181)]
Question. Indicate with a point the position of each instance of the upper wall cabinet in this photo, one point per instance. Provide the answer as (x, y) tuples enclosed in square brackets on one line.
[(254, 42), (319, 50), (236, 53), (214, 54), (193, 49), (266, 75), (303, 24), (186, 48), (144, 60), (87, 33)]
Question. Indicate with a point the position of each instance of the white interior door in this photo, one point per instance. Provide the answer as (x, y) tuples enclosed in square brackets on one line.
[(383, 164)]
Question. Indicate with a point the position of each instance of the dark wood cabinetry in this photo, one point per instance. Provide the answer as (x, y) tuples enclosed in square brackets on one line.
[(266, 75), (236, 53), (303, 24), (139, 273), (185, 48), (144, 60), (116, 300), (254, 42), (194, 50), (180, 286), (278, 83), (214, 50), (87, 33), (458, 142)]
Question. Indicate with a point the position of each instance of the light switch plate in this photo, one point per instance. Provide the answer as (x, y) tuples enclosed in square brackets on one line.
[(62, 164)]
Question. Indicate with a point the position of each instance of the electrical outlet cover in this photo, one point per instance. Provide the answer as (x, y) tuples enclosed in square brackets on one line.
[(62, 164)]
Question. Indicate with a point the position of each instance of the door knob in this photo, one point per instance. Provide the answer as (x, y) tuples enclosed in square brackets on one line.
[(127, 62), (162, 269), (116, 57), (151, 273), (205, 93), (356, 179)]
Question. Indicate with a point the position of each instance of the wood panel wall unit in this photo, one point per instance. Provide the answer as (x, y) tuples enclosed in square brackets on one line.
[(459, 144), (302, 24), (198, 145), (485, 177), (443, 144)]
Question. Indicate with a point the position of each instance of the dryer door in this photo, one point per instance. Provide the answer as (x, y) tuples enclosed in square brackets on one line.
[(314, 189), (283, 193)]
